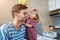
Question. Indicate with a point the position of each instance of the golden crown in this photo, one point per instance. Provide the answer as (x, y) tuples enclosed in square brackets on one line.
[(23, 2)]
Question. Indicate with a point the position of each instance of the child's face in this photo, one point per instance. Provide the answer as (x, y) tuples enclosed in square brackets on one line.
[(32, 15)]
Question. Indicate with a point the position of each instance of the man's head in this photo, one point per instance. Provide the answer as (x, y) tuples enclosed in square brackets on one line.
[(18, 11)]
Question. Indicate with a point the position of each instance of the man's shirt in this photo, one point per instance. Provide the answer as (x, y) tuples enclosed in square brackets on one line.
[(8, 32)]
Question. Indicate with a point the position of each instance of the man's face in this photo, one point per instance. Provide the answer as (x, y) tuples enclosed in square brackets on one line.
[(21, 15)]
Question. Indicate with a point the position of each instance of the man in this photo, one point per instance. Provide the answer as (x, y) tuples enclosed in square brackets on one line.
[(14, 30)]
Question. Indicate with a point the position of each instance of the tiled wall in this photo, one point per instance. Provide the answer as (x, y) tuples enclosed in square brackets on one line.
[(39, 28), (57, 20)]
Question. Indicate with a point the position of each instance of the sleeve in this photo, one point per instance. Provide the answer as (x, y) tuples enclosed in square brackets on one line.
[(0, 36), (28, 21), (3, 33)]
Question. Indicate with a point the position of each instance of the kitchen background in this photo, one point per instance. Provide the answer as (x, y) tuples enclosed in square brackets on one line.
[(46, 8)]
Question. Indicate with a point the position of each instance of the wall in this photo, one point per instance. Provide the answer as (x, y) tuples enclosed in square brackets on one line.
[(52, 20), (5, 10)]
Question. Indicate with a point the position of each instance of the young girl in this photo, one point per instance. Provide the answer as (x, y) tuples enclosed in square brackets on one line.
[(31, 22)]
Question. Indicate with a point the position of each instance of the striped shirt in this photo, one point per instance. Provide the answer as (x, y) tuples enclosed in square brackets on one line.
[(8, 32)]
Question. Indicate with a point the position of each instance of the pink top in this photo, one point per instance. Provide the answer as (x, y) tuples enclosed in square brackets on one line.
[(33, 23), (31, 33)]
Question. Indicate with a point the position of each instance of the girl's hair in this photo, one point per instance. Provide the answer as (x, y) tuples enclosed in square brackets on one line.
[(37, 16)]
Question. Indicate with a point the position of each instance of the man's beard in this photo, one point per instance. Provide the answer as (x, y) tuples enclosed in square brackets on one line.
[(22, 20)]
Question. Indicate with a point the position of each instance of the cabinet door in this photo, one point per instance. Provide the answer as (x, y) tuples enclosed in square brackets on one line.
[(51, 4), (57, 4)]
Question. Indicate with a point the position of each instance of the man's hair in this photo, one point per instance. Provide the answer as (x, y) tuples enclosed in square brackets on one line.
[(17, 8)]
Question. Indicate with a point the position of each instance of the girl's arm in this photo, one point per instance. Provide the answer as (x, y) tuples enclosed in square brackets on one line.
[(28, 25)]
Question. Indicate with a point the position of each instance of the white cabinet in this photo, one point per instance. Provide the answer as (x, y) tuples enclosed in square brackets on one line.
[(51, 4), (57, 4)]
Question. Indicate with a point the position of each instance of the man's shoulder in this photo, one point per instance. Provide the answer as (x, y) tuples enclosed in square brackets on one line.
[(5, 26), (3, 29)]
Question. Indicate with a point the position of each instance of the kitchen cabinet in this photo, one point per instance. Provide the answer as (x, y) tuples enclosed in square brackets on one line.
[(57, 4), (53, 5)]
